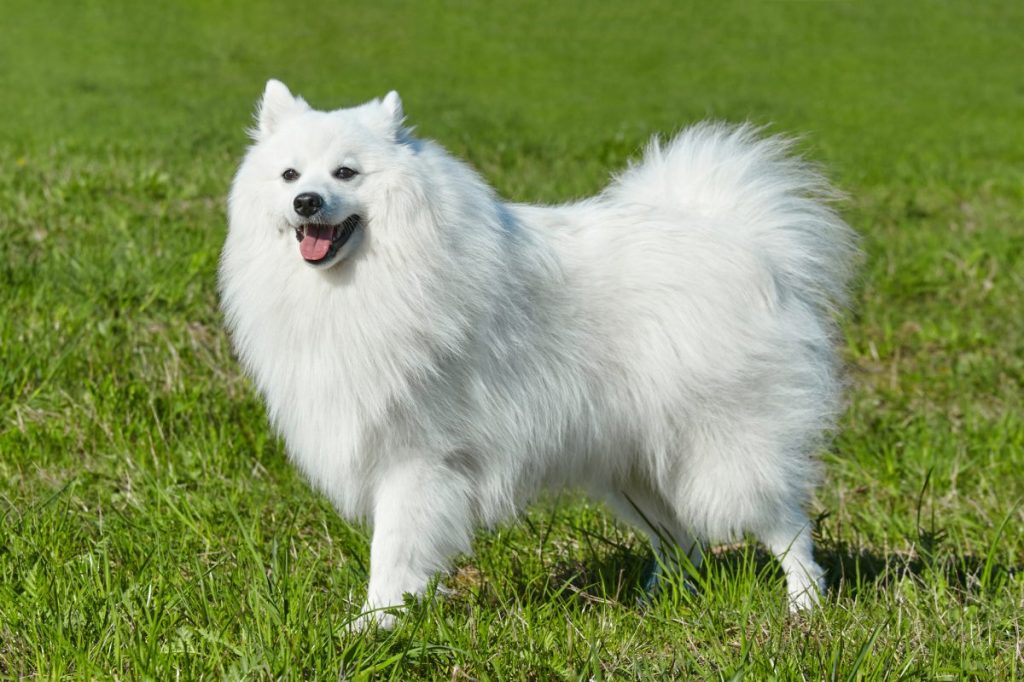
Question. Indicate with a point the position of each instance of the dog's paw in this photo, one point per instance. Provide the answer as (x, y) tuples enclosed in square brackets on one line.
[(373, 619), (808, 598), (654, 578)]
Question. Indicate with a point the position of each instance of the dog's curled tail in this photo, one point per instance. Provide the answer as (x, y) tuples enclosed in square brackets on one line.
[(757, 186)]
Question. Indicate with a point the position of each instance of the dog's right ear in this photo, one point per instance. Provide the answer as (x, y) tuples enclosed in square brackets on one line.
[(277, 105)]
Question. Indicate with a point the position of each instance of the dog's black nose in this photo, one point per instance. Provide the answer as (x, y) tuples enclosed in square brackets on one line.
[(308, 203)]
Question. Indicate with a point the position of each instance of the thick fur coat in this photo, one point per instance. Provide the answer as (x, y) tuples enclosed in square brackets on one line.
[(667, 345)]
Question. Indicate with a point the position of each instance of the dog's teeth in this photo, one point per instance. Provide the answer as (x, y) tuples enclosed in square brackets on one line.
[(298, 234)]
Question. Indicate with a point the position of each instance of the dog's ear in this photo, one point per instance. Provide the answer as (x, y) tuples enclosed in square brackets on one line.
[(394, 117), (277, 105), (392, 105)]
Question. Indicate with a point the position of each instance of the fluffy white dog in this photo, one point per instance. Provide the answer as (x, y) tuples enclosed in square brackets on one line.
[(434, 356)]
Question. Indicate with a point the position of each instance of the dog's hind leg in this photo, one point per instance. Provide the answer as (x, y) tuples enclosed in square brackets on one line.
[(790, 541), (668, 559), (669, 540)]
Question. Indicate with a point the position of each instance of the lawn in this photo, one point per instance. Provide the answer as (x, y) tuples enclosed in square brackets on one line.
[(150, 525)]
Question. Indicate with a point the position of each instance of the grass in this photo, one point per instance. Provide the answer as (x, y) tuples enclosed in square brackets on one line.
[(150, 526)]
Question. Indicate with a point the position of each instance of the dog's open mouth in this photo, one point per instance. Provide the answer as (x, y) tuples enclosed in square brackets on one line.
[(318, 243)]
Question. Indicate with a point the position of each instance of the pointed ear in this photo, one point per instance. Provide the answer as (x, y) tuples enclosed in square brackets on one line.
[(392, 108), (392, 105), (277, 105)]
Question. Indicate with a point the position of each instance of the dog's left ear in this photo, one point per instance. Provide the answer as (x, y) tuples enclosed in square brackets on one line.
[(277, 105), (394, 117)]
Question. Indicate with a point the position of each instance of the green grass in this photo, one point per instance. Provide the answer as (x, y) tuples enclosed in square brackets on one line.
[(150, 526)]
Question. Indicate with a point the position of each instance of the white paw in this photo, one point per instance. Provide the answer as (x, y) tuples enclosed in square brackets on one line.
[(807, 596), (372, 618)]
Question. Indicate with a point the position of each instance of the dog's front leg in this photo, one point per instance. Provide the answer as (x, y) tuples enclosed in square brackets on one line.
[(422, 518)]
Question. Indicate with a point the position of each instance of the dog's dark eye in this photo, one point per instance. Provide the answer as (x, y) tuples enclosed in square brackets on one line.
[(290, 175), (345, 173)]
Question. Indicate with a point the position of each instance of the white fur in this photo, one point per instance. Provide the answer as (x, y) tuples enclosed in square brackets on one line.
[(666, 345)]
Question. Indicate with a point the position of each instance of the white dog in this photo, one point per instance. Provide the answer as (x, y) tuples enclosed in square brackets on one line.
[(434, 357)]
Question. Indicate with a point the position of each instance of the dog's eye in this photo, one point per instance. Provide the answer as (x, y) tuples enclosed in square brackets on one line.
[(345, 173), (290, 175)]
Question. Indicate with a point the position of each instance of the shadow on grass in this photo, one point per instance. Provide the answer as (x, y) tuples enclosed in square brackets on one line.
[(853, 570), (619, 576)]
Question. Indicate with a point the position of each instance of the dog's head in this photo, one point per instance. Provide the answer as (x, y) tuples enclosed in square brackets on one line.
[(316, 175)]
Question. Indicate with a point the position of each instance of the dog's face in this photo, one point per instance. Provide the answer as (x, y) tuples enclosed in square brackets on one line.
[(318, 173)]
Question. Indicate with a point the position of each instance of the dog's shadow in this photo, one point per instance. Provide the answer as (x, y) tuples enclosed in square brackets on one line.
[(619, 576), (857, 570)]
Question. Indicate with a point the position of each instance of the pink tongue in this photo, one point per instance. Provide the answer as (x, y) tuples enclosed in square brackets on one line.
[(317, 242)]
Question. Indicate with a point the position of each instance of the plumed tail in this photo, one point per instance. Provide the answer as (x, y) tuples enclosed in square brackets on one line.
[(754, 185)]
